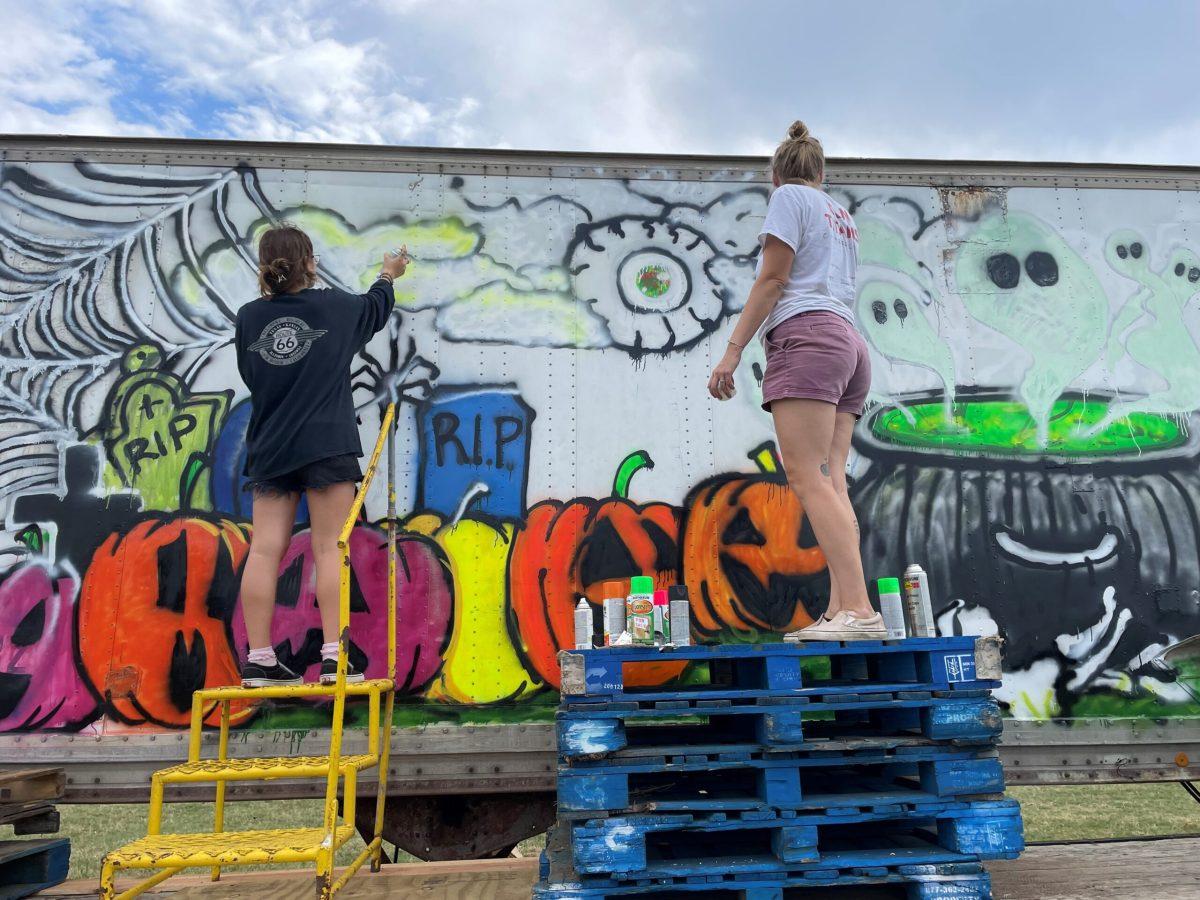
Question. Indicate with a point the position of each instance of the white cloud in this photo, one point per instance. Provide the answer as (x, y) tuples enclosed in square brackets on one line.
[(573, 76), (282, 72), (51, 79)]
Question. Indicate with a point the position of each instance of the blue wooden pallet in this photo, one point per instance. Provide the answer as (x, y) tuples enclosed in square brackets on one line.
[(27, 867), (957, 878), (740, 671), (597, 728), (725, 779), (662, 845)]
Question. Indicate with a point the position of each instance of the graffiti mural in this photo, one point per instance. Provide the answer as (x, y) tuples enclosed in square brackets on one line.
[(1029, 440)]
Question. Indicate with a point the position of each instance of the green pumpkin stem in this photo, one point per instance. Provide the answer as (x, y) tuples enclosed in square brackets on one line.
[(766, 457), (630, 466)]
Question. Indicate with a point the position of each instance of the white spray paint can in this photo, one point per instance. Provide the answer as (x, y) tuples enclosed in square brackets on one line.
[(680, 614), (614, 611), (583, 625), (891, 607), (918, 607)]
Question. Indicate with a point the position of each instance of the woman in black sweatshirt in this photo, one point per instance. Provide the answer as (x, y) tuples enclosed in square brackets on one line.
[(294, 349)]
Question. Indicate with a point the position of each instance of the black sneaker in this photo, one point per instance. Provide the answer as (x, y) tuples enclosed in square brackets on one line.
[(329, 672), (256, 675)]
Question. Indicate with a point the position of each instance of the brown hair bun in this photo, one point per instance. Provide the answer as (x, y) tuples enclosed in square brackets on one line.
[(798, 131), (283, 255)]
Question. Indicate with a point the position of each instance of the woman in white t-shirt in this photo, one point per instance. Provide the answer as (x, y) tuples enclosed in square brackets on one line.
[(818, 368)]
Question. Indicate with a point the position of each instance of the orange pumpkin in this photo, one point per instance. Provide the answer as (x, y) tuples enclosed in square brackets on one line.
[(567, 551), (750, 559), (154, 617)]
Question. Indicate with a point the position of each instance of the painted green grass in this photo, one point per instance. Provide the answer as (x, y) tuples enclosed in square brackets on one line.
[(1084, 812), (1006, 428)]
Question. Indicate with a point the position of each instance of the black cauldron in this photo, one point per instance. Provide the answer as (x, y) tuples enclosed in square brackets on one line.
[(1037, 535)]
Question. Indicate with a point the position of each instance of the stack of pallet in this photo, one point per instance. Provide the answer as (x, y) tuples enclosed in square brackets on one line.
[(27, 802), (774, 771)]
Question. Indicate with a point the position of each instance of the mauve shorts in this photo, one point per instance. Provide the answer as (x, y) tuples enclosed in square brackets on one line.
[(817, 356)]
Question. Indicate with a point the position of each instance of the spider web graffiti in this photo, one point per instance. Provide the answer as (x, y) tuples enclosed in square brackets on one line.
[(92, 261)]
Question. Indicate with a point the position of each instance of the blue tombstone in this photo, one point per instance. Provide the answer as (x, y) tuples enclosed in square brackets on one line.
[(471, 435)]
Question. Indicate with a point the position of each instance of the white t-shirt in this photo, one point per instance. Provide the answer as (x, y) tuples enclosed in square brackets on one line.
[(823, 235)]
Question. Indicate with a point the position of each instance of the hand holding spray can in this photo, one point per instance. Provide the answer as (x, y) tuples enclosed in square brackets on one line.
[(918, 608)]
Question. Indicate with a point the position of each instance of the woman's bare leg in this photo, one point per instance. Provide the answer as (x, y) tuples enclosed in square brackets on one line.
[(839, 454), (807, 431), (327, 511), (273, 515)]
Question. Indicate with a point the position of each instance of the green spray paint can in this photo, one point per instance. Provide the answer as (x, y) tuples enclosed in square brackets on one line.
[(639, 610), (891, 607)]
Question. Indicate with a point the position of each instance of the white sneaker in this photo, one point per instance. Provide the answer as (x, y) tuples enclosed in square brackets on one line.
[(794, 637), (846, 626)]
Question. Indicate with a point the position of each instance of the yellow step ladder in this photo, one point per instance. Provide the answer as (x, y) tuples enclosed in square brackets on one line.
[(171, 853)]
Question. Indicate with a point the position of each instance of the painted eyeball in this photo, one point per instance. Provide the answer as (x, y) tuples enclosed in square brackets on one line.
[(651, 280)]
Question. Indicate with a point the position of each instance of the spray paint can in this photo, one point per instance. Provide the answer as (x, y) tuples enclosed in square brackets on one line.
[(614, 611), (918, 607), (680, 615), (662, 618), (583, 625), (891, 607), (639, 611)]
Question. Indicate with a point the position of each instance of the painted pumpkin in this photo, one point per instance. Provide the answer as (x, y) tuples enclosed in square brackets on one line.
[(1035, 537), (423, 607), (481, 663), (154, 618), (567, 551), (750, 559), (40, 687)]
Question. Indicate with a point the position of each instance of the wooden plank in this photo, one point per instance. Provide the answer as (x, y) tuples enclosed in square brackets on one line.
[(25, 785), (1161, 869)]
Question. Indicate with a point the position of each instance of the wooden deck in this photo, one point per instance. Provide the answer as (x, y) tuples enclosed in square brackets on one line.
[(1125, 870)]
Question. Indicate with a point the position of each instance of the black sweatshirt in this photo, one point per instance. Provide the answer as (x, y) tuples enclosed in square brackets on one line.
[(294, 353)]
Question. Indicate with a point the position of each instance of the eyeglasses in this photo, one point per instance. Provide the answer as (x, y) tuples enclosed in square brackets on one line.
[(317, 258)]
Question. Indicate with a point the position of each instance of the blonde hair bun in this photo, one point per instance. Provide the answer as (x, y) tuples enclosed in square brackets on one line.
[(799, 157), (798, 131)]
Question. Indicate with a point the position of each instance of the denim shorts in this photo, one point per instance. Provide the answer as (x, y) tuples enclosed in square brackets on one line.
[(817, 356), (319, 474)]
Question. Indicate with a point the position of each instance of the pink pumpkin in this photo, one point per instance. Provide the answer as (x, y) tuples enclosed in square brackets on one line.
[(40, 687), (423, 607)]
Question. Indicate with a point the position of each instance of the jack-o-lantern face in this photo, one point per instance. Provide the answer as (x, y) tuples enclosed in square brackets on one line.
[(154, 618), (423, 607), (40, 687), (750, 558), (568, 551)]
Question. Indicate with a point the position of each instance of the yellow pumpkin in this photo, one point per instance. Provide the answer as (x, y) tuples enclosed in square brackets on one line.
[(481, 663)]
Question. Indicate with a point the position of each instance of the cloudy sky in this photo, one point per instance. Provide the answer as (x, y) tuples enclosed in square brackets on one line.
[(1080, 80)]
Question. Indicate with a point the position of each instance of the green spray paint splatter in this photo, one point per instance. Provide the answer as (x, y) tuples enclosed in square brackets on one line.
[(1018, 277), (653, 281), (1006, 428)]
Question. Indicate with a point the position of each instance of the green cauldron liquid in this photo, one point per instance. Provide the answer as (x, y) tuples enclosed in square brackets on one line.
[(1005, 428)]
